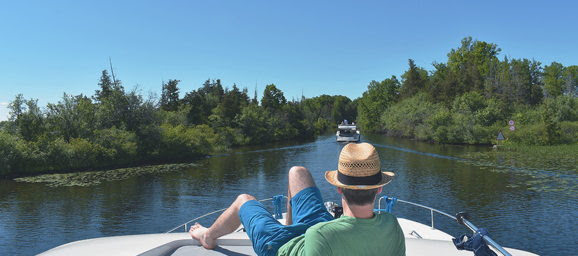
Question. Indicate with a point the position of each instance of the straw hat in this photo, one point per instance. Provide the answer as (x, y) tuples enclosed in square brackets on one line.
[(359, 168)]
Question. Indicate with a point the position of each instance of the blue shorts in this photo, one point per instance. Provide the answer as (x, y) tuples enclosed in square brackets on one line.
[(268, 235)]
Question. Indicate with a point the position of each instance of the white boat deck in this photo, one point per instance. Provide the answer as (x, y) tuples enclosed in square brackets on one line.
[(433, 242)]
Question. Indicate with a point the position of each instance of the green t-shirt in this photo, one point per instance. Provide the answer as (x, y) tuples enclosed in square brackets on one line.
[(380, 235)]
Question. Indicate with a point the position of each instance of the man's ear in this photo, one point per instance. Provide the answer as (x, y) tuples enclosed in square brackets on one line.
[(339, 190), (379, 190)]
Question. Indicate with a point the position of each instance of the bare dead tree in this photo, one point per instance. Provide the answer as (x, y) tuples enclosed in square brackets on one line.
[(112, 71)]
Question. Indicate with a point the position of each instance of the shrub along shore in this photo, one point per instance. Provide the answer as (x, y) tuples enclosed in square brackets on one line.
[(473, 96), (115, 128), (467, 100)]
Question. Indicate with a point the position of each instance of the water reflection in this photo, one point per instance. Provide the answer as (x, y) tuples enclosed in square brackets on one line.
[(35, 217)]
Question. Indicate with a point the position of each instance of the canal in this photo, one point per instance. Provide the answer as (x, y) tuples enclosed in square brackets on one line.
[(530, 209)]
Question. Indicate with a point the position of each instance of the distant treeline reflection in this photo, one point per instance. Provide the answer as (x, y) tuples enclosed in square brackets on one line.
[(468, 99)]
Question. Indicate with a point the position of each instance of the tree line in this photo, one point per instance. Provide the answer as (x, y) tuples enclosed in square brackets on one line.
[(468, 99), (472, 97), (117, 127)]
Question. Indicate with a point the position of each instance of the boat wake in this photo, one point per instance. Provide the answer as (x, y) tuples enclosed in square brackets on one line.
[(541, 179), (418, 152)]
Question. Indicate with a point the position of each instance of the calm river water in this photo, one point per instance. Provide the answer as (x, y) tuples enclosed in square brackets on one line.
[(36, 217)]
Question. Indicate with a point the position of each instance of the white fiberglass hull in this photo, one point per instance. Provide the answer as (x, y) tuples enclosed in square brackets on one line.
[(432, 242)]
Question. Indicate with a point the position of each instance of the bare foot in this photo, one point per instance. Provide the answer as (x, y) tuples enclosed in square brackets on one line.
[(199, 233)]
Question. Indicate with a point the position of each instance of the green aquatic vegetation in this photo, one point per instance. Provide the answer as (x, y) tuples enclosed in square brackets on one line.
[(561, 157), (92, 178), (549, 168)]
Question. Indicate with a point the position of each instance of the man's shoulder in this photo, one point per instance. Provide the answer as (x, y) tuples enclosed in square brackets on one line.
[(345, 220), (346, 235), (387, 217), (324, 225)]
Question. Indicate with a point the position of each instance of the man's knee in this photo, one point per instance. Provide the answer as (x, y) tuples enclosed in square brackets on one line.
[(243, 198), (299, 179), (298, 172)]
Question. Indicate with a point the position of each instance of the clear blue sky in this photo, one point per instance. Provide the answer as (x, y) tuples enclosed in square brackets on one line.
[(318, 47)]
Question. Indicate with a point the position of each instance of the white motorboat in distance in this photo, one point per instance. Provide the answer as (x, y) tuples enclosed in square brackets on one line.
[(347, 132)]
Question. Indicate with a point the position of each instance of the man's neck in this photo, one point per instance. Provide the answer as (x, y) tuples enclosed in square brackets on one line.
[(357, 211)]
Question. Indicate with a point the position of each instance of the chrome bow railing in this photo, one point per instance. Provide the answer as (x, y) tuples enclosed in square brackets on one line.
[(461, 218), (185, 225)]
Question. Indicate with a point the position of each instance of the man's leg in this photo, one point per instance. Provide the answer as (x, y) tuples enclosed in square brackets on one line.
[(225, 224), (299, 179)]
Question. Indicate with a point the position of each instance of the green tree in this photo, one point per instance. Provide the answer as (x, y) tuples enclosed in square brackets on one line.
[(17, 107), (407, 118), (139, 111), (121, 144), (342, 109), (324, 112), (554, 79), (571, 80), (478, 54), (378, 97), (105, 85), (414, 80), (27, 117), (552, 126), (72, 117), (203, 101), (170, 95), (199, 109), (319, 107), (444, 84), (233, 101), (525, 81), (471, 63), (112, 103), (112, 110), (15, 155), (252, 122), (273, 98)]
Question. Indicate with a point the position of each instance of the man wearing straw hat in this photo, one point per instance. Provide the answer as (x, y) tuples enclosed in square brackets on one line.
[(310, 229)]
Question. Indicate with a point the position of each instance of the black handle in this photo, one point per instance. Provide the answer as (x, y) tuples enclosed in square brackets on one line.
[(337, 211), (460, 216)]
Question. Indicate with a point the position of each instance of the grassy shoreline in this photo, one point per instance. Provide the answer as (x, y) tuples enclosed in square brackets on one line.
[(95, 176)]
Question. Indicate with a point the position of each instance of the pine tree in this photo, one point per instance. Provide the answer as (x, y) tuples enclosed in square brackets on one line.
[(106, 87), (170, 95), (273, 98), (255, 101), (414, 80)]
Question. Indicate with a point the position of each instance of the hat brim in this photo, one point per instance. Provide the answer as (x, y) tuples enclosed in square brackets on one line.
[(331, 177)]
